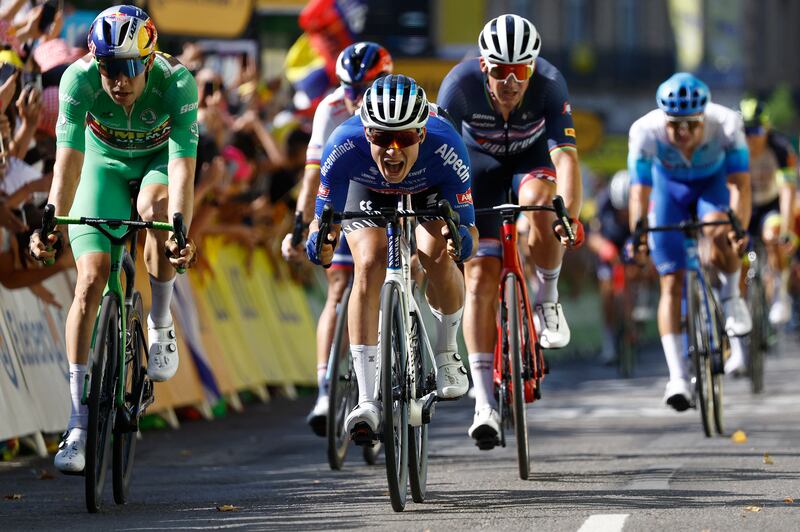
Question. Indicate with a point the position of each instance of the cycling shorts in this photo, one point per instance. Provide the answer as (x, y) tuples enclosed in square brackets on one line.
[(104, 192), (767, 215), (342, 258), (492, 180), (361, 198), (674, 202)]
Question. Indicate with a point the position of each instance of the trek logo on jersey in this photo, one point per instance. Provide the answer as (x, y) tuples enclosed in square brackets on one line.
[(465, 198), (451, 158), (567, 110), (337, 152), (323, 191)]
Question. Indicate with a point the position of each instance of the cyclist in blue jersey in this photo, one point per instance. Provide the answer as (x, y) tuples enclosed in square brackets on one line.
[(512, 108), (690, 155), (397, 144)]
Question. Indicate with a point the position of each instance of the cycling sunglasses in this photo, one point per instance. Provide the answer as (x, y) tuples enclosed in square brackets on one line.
[(689, 122), (355, 91), (393, 139), (521, 71), (112, 68)]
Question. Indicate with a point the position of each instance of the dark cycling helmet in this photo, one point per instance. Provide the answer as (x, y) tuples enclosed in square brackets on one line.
[(393, 103), (683, 95), (363, 62), (754, 113)]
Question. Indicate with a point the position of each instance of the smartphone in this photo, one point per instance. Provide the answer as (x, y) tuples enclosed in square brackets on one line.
[(32, 79), (209, 88), (49, 11), (6, 71)]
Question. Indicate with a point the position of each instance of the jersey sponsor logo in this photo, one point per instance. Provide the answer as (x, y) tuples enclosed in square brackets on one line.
[(126, 139), (569, 131), (148, 116), (195, 129), (67, 98), (451, 159), (365, 205), (567, 109), (465, 198), (337, 152), (323, 191), (479, 116), (187, 107)]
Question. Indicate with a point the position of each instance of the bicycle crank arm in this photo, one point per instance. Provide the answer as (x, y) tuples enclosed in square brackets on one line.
[(420, 411)]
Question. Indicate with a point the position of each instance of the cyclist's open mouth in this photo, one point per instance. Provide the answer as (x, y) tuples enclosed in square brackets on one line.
[(393, 168)]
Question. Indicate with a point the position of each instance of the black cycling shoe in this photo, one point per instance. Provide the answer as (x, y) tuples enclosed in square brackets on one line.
[(679, 402), (318, 424), (362, 434)]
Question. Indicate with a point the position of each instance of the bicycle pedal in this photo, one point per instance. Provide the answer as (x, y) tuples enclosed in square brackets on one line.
[(537, 392), (487, 444), (362, 434), (74, 473)]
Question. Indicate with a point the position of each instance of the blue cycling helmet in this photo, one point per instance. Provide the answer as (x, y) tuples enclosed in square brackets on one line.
[(363, 62), (122, 32), (682, 95)]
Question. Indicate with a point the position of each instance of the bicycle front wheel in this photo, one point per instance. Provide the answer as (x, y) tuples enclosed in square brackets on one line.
[(127, 418), (697, 330), (394, 394), (418, 436), (513, 303), (757, 341), (720, 346), (343, 389), (100, 401)]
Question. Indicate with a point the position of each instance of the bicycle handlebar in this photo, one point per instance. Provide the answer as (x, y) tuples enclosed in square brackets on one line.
[(558, 207), (179, 231), (297, 231), (688, 226)]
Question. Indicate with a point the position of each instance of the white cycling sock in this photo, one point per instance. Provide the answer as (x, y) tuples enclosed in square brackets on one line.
[(322, 379), (676, 358), (548, 284), (365, 363), (728, 284), (481, 366), (161, 291), (79, 417), (447, 330)]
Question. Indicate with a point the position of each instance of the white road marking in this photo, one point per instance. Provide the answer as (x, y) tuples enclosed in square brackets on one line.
[(604, 523)]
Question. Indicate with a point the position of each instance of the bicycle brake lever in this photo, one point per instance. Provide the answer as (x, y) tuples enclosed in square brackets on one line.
[(179, 231), (452, 219), (563, 218), (48, 225), (736, 225), (325, 223)]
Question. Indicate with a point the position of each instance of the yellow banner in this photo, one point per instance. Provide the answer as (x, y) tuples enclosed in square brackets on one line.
[(686, 17), (206, 18)]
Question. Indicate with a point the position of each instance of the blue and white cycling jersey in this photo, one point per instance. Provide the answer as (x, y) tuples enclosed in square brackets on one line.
[(681, 186), (442, 163), (722, 152)]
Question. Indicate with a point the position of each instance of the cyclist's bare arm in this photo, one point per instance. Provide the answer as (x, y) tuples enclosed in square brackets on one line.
[(181, 200), (741, 201), (639, 198), (305, 206), (66, 176), (569, 184), (788, 192)]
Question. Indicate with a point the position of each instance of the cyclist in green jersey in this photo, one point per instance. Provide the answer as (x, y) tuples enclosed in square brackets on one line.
[(126, 113)]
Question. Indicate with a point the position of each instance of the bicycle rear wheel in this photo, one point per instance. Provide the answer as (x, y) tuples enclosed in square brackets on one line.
[(513, 302), (126, 424), (100, 401), (343, 389), (697, 330), (394, 357), (757, 341), (418, 436)]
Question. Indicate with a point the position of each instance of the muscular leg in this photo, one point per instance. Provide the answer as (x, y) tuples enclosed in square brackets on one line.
[(482, 277), (337, 284), (669, 325)]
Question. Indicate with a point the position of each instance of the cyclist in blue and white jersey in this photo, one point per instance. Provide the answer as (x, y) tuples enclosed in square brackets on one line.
[(512, 108), (691, 154), (397, 144), (357, 66)]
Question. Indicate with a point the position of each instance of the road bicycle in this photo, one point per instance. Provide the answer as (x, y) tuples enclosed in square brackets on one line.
[(116, 390), (759, 339), (406, 378), (707, 342), (519, 363)]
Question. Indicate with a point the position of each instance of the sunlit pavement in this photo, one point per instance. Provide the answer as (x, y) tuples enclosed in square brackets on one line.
[(606, 455)]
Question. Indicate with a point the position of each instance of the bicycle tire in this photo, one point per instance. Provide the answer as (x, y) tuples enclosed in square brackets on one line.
[(721, 344), (100, 401), (126, 424), (757, 341), (343, 389), (393, 394), (513, 302), (625, 352), (698, 342), (418, 436)]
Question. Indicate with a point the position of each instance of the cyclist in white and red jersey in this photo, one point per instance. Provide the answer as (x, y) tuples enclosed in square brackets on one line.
[(356, 67)]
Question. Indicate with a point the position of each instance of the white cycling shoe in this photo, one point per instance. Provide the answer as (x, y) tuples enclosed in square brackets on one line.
[(317, 419), (162, 362), (737, 317), (551, 325), (485, 429), (781, 310), (71, 456), (678, 394), (451, 376), (363, 422)]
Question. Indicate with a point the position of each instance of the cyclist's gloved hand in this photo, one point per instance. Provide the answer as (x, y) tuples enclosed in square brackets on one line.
[(466, 242), (311, 249), (634, 251)]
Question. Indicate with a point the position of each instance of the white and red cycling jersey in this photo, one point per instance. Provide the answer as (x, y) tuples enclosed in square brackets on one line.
[(331, 112)]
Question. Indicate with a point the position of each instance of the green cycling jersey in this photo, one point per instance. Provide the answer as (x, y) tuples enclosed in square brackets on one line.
[(164, 115)]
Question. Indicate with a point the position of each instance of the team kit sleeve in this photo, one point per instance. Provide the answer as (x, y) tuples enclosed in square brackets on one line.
[(787, 159), (75, 100), (559, 126), (456, 184), (317, 141), (181, 104), (641, 151), (334, 177), (737, 155), (451, 98)]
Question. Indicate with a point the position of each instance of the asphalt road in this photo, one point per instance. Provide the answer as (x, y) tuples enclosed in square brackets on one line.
[(606, 456)]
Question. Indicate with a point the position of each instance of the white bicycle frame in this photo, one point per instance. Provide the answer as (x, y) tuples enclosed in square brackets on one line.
[(398, 271)]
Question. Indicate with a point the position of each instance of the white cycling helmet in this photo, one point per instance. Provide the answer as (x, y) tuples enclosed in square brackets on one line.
[(618, 190), (394, 103), (509, 39)]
